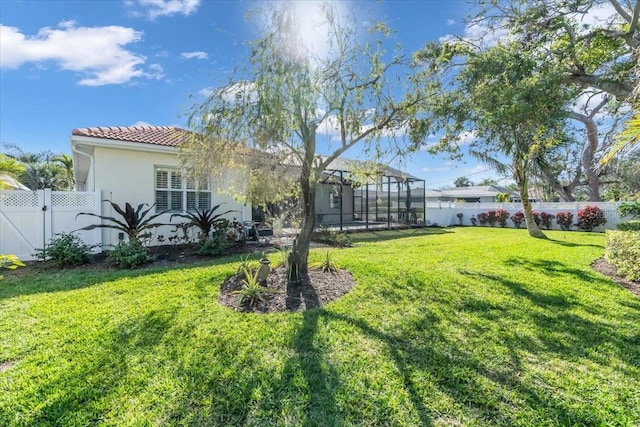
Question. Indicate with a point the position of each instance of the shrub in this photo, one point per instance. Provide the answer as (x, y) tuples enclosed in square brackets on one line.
[(633, 225), (590, 217), (64, 250), (460, 215), (631, 209), (216, 245), (129, 254), (564, 220), (545, 219), (536, 218), (623, 251), (492, 217), (502, 217), (517, 219), (483, 218), (474, 220), (332, 237)]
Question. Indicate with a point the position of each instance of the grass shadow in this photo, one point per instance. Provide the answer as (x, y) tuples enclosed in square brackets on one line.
[(384, 235)]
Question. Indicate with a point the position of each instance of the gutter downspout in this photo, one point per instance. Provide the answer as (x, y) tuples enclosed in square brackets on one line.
[(92, 168)]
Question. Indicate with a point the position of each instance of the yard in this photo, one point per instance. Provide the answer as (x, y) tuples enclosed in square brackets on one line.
[(463, 326)]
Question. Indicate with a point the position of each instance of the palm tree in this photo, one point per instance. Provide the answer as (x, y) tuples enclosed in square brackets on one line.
[(9, 168), (66, 162)]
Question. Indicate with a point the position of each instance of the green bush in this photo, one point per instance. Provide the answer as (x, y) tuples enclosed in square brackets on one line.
[(129, 254), (631, 209), (633, 225), (216, 245), (64, 250), (623, 251)]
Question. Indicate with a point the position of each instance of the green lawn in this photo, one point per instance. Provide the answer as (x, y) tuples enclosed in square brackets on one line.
[(463, 326)]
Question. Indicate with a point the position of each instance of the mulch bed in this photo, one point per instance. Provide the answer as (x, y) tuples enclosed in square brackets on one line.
[(603, 266), (317, 289)]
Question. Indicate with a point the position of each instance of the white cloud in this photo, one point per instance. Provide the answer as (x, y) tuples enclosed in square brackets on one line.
[(466, 138), (153, 9), (207, 91), (194, 55), (141, 123), (450, 22), (96, 53)]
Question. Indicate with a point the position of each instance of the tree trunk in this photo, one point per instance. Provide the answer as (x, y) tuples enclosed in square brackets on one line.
[(523, 189), (298, 259), (588, 155)]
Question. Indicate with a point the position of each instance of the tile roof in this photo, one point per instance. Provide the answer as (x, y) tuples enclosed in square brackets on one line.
[(167, 136)]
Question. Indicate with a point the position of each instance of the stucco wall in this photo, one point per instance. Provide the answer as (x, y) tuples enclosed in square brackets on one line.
[(328, 215), (129, 176)]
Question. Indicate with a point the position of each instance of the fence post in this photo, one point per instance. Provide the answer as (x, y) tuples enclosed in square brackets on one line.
[(44, 202)]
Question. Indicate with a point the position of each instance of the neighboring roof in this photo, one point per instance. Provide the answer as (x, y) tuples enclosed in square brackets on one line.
[(476, 191), (167, 136)]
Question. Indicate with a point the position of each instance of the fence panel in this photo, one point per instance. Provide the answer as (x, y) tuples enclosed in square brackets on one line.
[(29, 219), (445, 213)]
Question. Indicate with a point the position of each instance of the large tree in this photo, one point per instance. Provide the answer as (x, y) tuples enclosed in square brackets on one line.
[(514, 106), (593, 45), (272, 112)]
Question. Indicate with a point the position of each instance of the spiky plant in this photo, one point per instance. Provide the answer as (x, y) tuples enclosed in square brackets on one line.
[(134, 222), (204, 219)]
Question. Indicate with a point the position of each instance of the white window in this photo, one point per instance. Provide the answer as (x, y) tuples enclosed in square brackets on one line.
[(334, 199), (176, 192)]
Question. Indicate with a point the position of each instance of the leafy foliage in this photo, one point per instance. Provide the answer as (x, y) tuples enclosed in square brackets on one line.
[(277, 102), (623, 251), (9, 262), (215, 245), (631, 209), (134, 222), (483, 218), (129, 254), (564, 220), (204, 220), (545, 219), (517, 219), (333, 237), (502, 216), (64, 250), (590, 217), (633, 225)]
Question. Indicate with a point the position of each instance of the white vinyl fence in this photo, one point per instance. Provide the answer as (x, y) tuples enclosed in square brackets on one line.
[(444, 213), (29, 219)]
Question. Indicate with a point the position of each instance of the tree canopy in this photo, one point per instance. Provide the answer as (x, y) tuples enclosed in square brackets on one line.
[(268, 120)]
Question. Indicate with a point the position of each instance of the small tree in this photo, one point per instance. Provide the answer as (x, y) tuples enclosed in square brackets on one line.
[(267, 119)]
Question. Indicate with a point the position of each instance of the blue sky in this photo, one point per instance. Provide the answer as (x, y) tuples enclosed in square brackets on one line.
[(70, 64)]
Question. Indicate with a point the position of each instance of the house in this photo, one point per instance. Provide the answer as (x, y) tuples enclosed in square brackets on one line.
[(476, 194), (139, 164)]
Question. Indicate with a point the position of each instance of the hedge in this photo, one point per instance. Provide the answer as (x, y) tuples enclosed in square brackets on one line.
[(623, 251)]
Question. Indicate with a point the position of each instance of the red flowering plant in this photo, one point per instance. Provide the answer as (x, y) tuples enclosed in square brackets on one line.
[(492, 218), (590, 217), (564, 220), (502, 217), (483, 218), (545, 219), (517, 219)]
